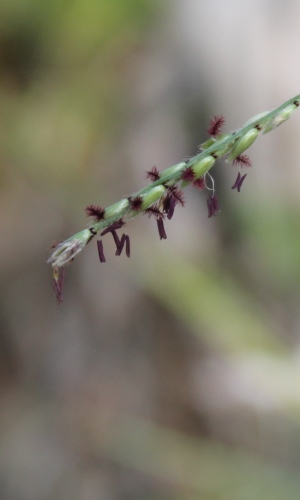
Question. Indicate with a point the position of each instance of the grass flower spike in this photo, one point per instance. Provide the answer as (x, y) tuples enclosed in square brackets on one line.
[(160, 198)]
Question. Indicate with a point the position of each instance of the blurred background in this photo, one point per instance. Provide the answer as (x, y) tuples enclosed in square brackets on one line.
[(174, 374)]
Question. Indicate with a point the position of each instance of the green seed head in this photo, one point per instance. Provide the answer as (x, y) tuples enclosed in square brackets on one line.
[(170, 172), (243, 143), (66, 251), (281, 117), (153, 195), (207, 143), (117, 209), (223, 150), (203, 165), (256, 118)]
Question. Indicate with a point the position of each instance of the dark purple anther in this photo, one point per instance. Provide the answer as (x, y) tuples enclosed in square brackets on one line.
[(161, 228), (113, 227), (100, 251), (239, 181), (127, 246), (169, 206), (120, 244), (174, 196), (212, 205), (117, 241), (123, 241)]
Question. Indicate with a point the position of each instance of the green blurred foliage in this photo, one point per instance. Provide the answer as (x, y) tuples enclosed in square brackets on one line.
[(64, 67)]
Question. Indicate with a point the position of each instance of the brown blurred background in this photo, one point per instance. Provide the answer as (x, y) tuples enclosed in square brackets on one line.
[(175, 374)]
